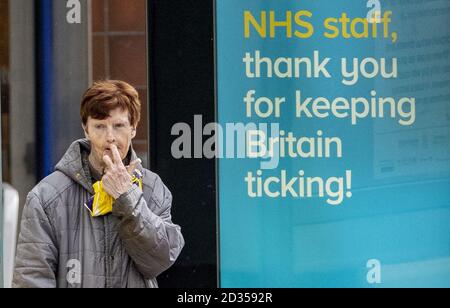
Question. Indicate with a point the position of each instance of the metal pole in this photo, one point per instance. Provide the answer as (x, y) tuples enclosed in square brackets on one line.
[(45, 78), (1, 190)]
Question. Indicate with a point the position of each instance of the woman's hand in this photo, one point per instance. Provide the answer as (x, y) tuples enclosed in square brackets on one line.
[(117, 178)]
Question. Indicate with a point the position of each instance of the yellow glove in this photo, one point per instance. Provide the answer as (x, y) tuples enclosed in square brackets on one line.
[(101, 203)]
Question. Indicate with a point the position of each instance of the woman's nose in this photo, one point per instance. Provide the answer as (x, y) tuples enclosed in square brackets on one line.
[(110, 137)]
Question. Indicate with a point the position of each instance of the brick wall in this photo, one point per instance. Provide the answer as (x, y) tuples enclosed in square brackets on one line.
[(4, 84), (4, 34), (120, 52)]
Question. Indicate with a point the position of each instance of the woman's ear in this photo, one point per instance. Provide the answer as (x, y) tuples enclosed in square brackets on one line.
[(133, 132), (86, 133)]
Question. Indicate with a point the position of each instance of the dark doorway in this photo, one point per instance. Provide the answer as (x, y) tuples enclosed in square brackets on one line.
[(181, 85)]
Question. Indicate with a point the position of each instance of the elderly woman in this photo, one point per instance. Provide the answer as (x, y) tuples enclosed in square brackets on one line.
[(101, 219)]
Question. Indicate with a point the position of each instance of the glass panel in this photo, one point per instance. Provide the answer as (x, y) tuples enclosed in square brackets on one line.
[(119, 51), (369, 207), (1, 208), (4, 63), (48, 57)]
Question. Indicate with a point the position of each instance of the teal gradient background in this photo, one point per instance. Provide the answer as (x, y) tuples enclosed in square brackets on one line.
[(399, 213)]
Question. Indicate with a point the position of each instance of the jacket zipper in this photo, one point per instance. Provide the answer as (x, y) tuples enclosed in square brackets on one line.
[(105, 225)]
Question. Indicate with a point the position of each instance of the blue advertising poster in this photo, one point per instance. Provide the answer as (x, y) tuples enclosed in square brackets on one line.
[(334, 166)]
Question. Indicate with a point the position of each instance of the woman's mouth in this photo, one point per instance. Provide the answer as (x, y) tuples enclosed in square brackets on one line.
[(109, 150)]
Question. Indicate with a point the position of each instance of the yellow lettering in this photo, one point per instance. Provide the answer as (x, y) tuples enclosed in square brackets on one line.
[(344, 20), (261, 27), (358, 27), (329, 24), (354, 31), (286, 23), (305, 24)]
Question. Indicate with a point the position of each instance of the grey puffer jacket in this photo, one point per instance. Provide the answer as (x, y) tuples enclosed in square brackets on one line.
[(61, 245)]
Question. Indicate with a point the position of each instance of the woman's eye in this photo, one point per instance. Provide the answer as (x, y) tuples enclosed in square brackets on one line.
[(99, 126)]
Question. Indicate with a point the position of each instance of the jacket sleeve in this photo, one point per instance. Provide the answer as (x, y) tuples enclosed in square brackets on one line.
[(149, 237), (37, 255)]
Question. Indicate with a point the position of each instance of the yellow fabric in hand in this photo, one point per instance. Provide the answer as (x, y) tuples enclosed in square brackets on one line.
[(102, 203)]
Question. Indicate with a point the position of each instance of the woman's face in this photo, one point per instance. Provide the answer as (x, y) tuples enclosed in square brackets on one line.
[(116, 129)]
